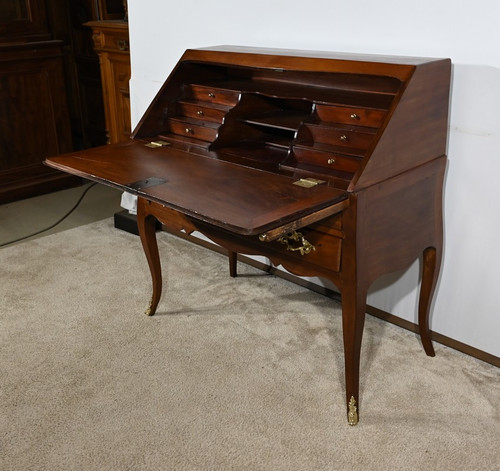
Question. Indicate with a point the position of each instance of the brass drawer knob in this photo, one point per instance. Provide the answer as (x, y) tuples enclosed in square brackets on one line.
[(344, 138), (211, 95), (331, 161), (200, 113), (354, 116), (189, 131)]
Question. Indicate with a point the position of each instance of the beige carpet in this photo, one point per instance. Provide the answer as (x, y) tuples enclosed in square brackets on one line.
[(231, 374)]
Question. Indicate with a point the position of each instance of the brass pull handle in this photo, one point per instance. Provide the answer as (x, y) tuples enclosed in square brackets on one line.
[(354, 116), (331, 161), (200, 113), (189, 131), (122, 44), (291, 240), (211, 95), (344, 138)]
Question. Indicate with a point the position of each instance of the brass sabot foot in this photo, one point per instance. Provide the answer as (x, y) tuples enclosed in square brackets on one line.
[(352, 415), (149, 310)]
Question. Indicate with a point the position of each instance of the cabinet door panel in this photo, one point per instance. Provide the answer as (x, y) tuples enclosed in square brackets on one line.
[(34, 118), (23, 20)]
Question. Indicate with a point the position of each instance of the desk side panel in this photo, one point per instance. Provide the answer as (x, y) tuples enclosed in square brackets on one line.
[(417, 130)]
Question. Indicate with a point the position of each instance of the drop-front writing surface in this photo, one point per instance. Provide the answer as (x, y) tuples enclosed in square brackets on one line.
[(329, 164)]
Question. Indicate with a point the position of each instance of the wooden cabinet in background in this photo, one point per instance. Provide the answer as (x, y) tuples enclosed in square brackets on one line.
[(34, 114), (112, 45), (23, 20), (51, 98)]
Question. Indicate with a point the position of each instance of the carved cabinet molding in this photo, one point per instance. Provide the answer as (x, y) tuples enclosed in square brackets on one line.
[(111, 43)]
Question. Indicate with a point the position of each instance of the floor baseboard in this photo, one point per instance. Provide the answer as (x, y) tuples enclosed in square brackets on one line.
[(373, 311)]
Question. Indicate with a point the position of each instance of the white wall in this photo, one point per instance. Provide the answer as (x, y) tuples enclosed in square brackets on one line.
[(466, 303)]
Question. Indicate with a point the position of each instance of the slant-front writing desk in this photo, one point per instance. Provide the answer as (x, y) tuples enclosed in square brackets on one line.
[(328, 164)]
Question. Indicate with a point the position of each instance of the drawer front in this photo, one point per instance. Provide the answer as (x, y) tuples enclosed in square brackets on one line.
[(327, 252), (348, 115), (339, 137), (329, 160), (206, 113), (331, 225), (189, 129), (212, 95), (115, 42)]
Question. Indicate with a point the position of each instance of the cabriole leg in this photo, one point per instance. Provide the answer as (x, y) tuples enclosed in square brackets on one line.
[(353, 320), (146, 223), (430, 272)]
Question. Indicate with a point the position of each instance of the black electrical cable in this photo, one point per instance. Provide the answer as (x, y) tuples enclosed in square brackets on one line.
[(56, 223)]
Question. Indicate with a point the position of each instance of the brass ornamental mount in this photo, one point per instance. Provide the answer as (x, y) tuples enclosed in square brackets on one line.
[(149, 309), (352, 415), (122, 44), (293, 239)]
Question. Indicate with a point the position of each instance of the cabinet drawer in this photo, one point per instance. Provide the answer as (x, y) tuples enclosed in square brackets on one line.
[(335, 136), (348, 115), (213, 113), (114, 42), (203, 131), (334, 161), (327, 251), (212, 94), (331, 225)]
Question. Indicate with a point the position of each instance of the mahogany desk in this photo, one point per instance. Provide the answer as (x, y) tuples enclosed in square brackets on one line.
[(330, 165)]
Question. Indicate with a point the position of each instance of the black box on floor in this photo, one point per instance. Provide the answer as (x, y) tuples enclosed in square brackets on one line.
[(126, 222)]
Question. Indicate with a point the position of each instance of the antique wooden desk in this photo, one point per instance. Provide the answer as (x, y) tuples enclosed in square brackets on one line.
[(328, 164)]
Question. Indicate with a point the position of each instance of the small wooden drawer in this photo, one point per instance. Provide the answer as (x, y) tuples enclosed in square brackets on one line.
[(190, 128), (199, 110), (212, 94), (114, 42), (348, 115), (329, 160), (331, 225), (343, 136), (326, 247)]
